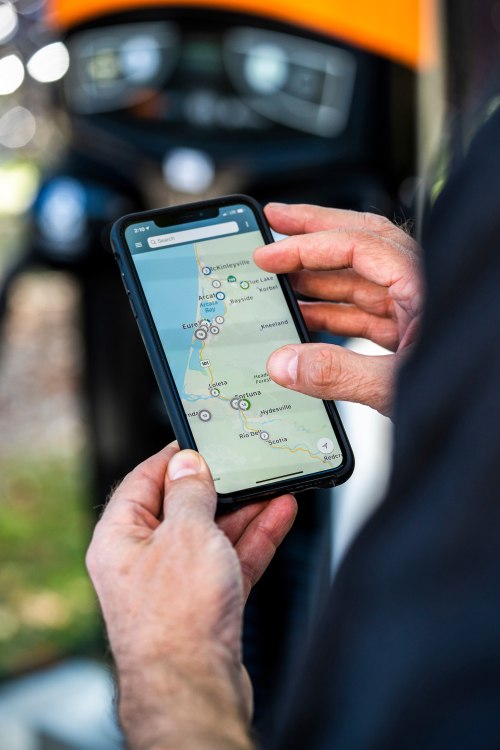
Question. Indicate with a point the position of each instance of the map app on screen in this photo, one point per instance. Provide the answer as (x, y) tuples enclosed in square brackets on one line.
[(219, 317)]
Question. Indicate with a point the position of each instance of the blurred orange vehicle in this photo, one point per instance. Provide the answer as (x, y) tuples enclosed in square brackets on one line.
[(401, 31), (261, 90)]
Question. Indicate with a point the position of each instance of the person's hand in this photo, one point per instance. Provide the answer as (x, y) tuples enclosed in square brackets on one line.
[(366, 273), (172, 584)]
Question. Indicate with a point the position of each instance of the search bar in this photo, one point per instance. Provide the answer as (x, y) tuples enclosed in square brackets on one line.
[(190, 235)]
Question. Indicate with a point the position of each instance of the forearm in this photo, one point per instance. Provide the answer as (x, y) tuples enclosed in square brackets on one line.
[(168, 705), (172, 585)]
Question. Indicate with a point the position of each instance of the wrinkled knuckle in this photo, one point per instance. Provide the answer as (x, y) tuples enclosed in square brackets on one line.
[(351, 250), (366, 329), (189, 495), (321, 371), (203, 486), (249, 572), (384, 334), (269, 535), (378, 223)]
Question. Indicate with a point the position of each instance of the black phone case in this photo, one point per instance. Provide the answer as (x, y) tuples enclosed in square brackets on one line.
[(168, 390)]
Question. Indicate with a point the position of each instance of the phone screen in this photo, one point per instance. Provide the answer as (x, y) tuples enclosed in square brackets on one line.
[(219, 317)]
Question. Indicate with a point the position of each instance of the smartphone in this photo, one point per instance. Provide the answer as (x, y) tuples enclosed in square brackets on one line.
[(209, 318)]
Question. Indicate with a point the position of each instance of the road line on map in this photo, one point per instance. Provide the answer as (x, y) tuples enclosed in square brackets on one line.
[(224, 398)]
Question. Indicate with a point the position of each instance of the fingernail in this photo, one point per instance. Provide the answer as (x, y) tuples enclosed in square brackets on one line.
[(184, 464), (282, 366), (275, 204)]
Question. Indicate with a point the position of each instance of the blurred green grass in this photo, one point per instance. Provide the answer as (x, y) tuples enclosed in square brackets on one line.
[(47, 606)]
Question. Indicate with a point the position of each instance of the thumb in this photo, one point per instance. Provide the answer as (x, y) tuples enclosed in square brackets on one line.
[(331, 372), (189, 487)]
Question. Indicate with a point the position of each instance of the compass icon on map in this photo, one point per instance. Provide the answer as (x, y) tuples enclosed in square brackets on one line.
[(325, 445)]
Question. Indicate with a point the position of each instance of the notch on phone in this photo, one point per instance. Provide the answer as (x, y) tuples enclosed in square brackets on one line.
[(202, 214)]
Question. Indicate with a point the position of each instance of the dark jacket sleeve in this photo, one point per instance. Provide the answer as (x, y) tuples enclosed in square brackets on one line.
[(407, 654)]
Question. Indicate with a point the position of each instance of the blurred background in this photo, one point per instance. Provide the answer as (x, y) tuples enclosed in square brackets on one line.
[(114, 106)]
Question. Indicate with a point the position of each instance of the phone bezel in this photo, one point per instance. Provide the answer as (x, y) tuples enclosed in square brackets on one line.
[(188, 213)]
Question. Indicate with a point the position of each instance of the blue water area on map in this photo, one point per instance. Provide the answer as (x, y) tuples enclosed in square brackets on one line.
[(170, 278), (209, 309)]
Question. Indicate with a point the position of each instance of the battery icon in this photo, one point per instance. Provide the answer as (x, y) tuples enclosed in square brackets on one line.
[(240, 210)]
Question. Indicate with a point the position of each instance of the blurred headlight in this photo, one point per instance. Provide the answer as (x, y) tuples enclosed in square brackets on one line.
[(114, 67), (17, 127), (11, 74), (188, 170), (8, 21), (266, 68), (50, 63), (140, 58), (304, 84)]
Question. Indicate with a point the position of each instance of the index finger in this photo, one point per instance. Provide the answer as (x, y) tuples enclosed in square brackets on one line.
[(304, 218), (372, 257), (258, 544)]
